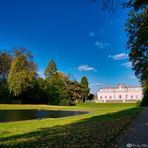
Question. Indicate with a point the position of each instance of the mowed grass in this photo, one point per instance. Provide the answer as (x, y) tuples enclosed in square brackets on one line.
[(100, 128)]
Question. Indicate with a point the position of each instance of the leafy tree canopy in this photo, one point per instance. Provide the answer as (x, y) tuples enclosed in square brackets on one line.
[(22, 72), (50, 69), (84, 88), (137, 28), (5, 62)]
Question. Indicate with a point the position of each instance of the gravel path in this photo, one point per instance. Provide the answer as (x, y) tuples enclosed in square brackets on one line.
[(137, 135)]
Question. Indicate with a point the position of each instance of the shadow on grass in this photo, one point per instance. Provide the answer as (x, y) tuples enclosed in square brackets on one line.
[(97, 131)]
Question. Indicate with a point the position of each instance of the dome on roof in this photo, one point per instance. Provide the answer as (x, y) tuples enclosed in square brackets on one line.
[(121, 85)]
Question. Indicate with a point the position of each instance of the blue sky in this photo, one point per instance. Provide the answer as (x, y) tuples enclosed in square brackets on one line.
[(82, 38)]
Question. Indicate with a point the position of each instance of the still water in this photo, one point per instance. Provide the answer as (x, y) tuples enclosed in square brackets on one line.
[(19, 115)]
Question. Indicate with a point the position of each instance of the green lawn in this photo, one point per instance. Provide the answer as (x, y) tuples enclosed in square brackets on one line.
[(99, 128)]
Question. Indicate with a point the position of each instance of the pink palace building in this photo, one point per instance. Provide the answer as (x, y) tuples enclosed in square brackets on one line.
[(119, 93)]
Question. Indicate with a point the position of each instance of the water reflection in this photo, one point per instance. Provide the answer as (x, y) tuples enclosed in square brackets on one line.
[(19, 115)]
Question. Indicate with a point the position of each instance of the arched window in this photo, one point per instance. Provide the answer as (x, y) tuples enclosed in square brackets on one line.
[(131, 96), (100, 97), (105, 97), (120, 96), (110, 97)]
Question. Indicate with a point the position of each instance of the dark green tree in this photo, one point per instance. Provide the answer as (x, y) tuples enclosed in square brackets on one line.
[(74, 90), (50, 69), (84, 88), (36, 94), (137, 28), (5, 62), (57, 89), (91, 97)]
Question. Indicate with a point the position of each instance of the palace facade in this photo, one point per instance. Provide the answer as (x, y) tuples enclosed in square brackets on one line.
[(119, 93)]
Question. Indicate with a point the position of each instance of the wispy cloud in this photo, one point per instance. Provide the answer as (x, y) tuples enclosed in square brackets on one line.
[(96, 84), (120, 56), (102, 44), (41, 73), (86, 68), (127, 64), (91, 34), (132, 77)]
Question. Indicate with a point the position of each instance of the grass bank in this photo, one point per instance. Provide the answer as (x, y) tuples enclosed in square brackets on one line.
[(96, 129)]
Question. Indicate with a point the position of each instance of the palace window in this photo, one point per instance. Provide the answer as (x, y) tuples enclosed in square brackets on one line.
[(105, 97), (110, 97), (131, 96), (126, 96), (100, 97), (120, 96)]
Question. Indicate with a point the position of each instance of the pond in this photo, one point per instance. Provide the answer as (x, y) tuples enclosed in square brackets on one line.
[(19, 115)]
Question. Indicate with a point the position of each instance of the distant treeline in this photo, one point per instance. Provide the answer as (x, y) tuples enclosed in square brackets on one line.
[(19, 80)]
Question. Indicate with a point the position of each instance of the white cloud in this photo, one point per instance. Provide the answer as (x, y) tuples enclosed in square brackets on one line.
[(86, 68), (127, 64), (41, 73), (96, 84), (120, 56), (132, 77), (92, 34), (102, 44)]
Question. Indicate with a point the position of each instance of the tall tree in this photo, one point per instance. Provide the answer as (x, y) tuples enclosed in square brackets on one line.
[(58, 87), (74, 89), (50, 69), (5, 62), (22, 72), (84, 88), (36, 94), (137, 28)]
